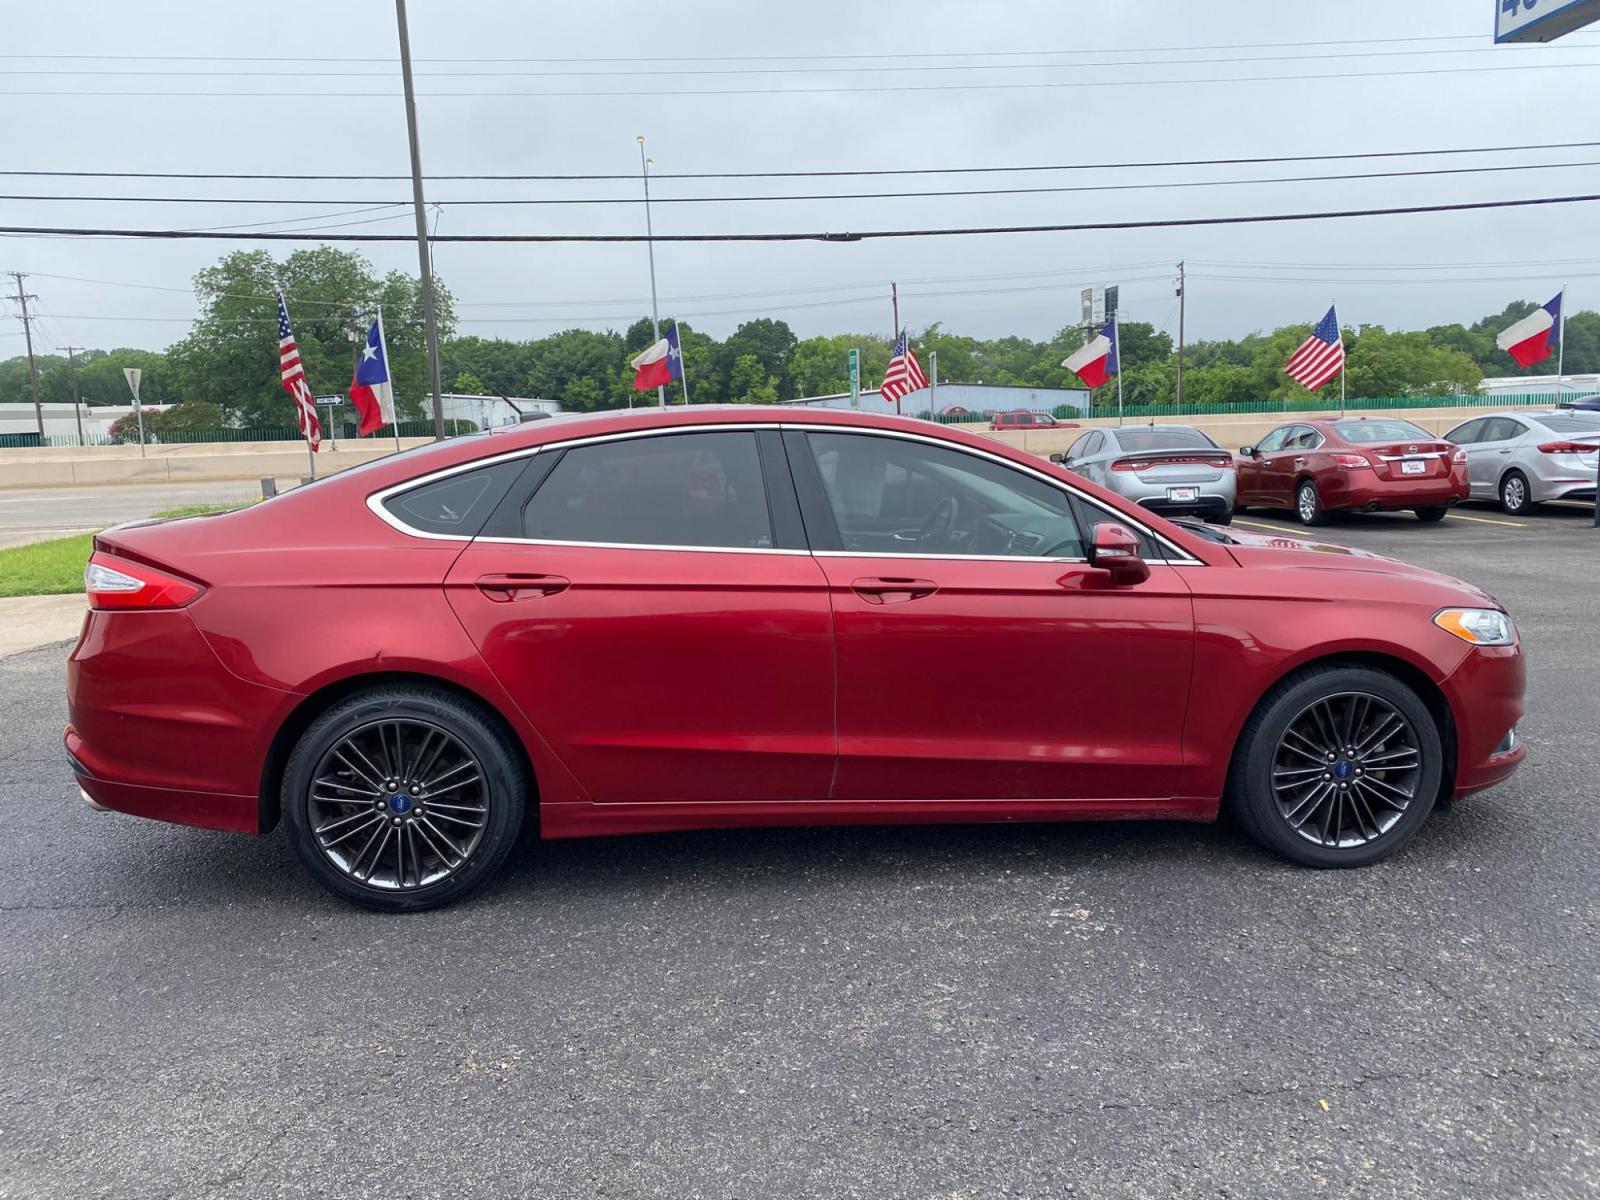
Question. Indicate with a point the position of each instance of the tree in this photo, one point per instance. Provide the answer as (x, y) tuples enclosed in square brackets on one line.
[(772, 342), (580, 368), (820, 366), (230, 358), (749, 382)]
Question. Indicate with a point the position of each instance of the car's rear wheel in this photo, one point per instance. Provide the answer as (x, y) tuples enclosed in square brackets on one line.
[(1222, 518), (1308, 504), (1431, 513), (1515, 498), (1337, 767), (403, 798)]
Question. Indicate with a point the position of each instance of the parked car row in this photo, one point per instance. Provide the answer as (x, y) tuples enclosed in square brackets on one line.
[(1314, 468)]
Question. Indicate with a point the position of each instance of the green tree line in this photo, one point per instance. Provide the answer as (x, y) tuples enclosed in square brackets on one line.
[(224, 372)]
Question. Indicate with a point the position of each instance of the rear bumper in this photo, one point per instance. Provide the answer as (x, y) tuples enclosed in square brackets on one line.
[(1364, 490), (158, 727), (1202, 506), (1485, 696)]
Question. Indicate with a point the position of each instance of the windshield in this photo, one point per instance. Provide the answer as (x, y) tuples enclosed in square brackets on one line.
[(1382, 431)]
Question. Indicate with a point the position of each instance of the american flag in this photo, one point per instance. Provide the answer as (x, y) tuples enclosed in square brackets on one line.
[(904, 374), (294, 380), (1320, 357)]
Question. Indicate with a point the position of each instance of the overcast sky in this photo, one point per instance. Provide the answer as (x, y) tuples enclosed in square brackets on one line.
[(985, 286)]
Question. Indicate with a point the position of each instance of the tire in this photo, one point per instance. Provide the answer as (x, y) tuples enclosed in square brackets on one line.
[(1431, 513), (439, 740), (1516, 499), (1308, 504), (1225, 519), (1364, 821)]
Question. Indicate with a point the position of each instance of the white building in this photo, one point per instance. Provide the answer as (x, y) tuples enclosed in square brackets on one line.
[(61, 425), (486, 412), (973, 397), (1554, 386)]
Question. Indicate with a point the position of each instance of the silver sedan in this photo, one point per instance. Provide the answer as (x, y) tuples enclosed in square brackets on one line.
[(1522, 459), (1174, 470)]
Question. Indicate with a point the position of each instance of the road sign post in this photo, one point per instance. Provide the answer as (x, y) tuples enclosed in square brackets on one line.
[(855, 379), (132, 375)]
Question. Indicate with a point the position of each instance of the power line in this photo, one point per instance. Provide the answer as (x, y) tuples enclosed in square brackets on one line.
[(322, 93), (863, 235), (916, 195), (1081, 166), (1452, 37), (633, 71)]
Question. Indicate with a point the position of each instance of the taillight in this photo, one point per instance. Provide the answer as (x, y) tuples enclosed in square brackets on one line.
[(120, 583), (1217, 462), (1460, 455), (1566, 448), (1350, 460)]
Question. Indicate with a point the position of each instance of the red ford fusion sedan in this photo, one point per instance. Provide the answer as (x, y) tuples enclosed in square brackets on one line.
[(1356, 464), (676, 619)]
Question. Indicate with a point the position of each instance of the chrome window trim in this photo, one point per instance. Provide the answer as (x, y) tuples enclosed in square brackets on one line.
[(376, 499)]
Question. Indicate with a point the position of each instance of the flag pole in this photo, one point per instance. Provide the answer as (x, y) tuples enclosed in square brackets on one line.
[(1116, 339), (683, 363), (1343, 358), (1561, 344), (383, 349), (650, 244)]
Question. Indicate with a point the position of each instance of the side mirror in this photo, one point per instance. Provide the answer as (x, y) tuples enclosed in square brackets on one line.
[(1113, 548), (1249, 452), (1059, 459)]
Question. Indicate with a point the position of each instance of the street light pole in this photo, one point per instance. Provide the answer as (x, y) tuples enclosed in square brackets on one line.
[(650, 242), (429, 321)]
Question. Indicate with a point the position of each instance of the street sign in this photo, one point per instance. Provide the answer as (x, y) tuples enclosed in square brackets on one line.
[(132, 374), (855, 379), (1541, 20), (329, 401)]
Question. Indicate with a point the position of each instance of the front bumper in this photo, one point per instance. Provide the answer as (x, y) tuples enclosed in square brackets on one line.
[(1485, 696)]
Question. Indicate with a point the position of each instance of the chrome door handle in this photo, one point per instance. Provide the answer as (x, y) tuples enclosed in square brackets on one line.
[(1507, 450)]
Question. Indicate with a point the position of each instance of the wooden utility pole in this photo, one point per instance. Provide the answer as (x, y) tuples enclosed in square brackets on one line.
[(894, 298), (430, 325), (1180, 338), (22, 299), (72, 374)]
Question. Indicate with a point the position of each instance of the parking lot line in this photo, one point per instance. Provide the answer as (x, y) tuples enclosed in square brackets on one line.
[(1264, 525), (1455, 516)]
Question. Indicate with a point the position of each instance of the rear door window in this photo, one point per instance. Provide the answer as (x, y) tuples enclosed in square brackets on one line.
[(692, 490)]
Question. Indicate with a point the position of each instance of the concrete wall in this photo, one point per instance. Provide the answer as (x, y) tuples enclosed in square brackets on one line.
[(68, 466)]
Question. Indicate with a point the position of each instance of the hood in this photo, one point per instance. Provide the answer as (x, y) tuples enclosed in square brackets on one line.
[(1268, 552)]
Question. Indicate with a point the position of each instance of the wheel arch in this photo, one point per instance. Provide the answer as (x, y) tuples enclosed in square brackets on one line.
[(1413, 676), (314, 704)]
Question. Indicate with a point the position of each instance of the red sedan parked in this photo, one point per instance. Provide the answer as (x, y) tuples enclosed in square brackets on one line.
[(714, 616), (1355, 464)]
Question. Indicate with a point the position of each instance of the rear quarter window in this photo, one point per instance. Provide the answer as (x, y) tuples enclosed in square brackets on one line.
[(458, 504)]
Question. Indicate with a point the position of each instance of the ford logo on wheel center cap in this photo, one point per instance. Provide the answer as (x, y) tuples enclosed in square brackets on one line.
[(400, 802), (1341, 770)]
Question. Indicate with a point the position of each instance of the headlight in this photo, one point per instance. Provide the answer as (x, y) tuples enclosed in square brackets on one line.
[(1480, 626)]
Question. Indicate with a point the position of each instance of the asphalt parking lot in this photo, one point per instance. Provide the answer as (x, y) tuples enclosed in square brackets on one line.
[(1153, 1010)]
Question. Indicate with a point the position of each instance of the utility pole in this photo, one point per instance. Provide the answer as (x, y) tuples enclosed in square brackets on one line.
[(72, 374), (894, 298), (1180, 338), (22, 299), (424, 259)]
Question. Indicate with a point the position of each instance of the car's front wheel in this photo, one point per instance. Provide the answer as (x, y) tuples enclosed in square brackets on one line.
[(404, 798), (1337, 767)]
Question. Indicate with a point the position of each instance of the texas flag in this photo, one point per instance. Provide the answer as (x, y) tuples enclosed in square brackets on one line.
[(370, 391), (1535, 337), (1097, 361), (659, 364)]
